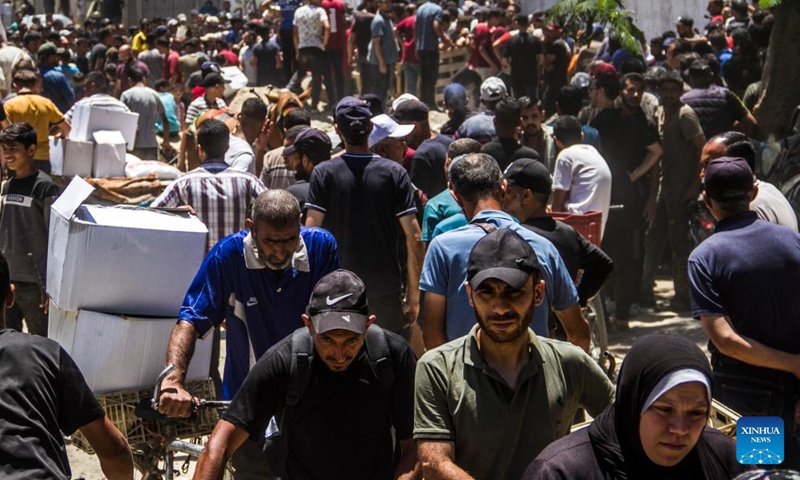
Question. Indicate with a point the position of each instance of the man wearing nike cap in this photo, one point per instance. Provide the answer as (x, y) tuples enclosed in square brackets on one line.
[(358, 388)]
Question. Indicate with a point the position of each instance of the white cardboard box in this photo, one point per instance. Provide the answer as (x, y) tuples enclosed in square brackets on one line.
[(87, 120), (71, 157), (109, 154), (128, 261), (116, 352)]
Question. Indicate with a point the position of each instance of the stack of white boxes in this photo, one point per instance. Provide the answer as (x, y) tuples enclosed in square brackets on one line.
[(97, 143), (116, 279)]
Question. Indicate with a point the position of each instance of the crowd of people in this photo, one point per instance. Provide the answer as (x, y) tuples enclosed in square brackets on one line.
[(397, 301)]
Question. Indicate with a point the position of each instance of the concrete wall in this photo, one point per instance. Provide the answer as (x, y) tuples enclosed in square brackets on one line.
[(652, 16)]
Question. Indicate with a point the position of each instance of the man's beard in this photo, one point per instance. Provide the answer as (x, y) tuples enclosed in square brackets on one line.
[(511, 335), (273, 266)]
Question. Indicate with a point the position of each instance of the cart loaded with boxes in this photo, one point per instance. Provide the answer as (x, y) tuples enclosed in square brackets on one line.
[(96, 150), (116, 278)]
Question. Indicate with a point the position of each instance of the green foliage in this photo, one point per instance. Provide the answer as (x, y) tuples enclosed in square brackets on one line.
[(765, 4), (579, 16)]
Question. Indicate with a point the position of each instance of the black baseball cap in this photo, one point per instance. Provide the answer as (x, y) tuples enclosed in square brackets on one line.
[(728, 178), (339, 302), (353, 117), (530, 174), (214, 79), (699, 68), (411, 111), (504, 255), (310, 140), (684, 20)]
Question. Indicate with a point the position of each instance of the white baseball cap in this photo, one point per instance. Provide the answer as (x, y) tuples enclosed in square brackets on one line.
[(493, 89), (384, 127), (402, 98)]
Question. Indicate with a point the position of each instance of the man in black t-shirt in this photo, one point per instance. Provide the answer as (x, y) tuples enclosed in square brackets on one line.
[(360, 198), (45, 397), (356, 389), (26, 198), (529, 188), (505, 148), (267, 53), (525, 54), (630, 147), (557, 55), (98, 54), (430, 148)]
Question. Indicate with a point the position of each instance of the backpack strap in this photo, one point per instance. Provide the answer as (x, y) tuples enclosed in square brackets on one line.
[(487, 227), (380, 357), (300, 373)]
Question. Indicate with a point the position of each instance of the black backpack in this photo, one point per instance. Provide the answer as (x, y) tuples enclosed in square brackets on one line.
[(276, 446)]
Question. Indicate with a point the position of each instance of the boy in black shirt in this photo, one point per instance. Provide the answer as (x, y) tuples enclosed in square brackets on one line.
[(26, 200)]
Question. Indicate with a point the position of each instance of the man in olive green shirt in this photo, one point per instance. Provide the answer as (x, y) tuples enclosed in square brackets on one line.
[(488, 403)]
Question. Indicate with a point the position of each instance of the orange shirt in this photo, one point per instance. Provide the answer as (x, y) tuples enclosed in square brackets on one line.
[(40, 113)]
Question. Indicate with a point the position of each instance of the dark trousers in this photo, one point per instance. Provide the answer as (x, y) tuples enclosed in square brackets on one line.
[(522, 87), (334, 77), (287, 47), (381, 82), (429, 73), (365, 74), (313, 59), (26, 305), (751, 391), (671, 226), (624, 243)]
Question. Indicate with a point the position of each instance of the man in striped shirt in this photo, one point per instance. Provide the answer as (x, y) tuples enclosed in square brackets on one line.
[(220, 196)]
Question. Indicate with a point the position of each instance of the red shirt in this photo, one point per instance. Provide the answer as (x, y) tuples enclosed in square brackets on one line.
[(335, 11), (406, 30), (233, 60), (481, 36), (171, 65)]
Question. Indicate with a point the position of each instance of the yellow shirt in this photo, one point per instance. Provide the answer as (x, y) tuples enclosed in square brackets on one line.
[(40, 113), (139, 43)]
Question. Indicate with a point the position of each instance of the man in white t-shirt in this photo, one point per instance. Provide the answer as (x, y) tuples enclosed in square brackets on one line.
[(582, 179), (247, 60), (311, 32), (248, 143)]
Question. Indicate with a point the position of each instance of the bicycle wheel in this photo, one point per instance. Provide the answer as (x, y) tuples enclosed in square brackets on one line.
[(597, 322)]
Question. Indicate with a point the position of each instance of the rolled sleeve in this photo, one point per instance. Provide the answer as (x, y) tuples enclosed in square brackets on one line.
[(432, 417)]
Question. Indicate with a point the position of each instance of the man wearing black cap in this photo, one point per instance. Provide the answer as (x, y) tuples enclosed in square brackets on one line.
[(744, 282), (529, 188), (490, 401), (361, 198), (310, 148), (341, 389), (476, 183), (718, 108)]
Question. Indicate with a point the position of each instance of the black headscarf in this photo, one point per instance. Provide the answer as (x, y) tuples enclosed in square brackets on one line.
[(615, 432)]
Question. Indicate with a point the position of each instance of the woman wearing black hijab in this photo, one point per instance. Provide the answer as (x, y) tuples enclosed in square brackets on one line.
[(655, 430)]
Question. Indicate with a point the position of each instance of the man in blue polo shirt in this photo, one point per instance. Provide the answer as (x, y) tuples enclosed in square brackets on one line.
[(258, 281), (477, 182), (744, 291)]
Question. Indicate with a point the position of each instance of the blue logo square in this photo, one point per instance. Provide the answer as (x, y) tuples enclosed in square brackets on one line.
[(759, 440)]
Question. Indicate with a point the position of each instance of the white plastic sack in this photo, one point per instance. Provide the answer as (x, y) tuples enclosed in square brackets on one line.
[(144, 168)]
